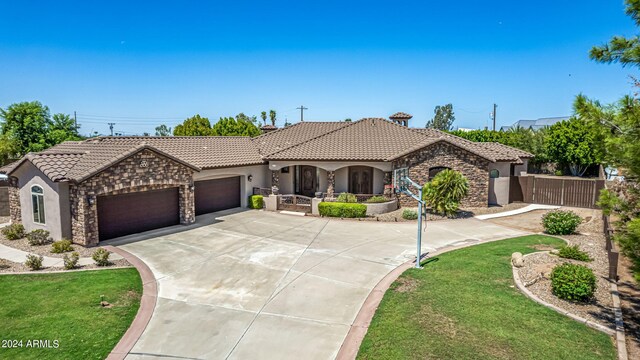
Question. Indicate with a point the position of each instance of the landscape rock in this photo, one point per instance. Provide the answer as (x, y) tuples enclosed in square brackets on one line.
[(517, 260)]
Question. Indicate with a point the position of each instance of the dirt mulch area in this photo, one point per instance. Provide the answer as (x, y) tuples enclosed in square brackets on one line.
[(4, 219), (44, 250), (7, 266), (590, 239), (629, 290), (396, 216)]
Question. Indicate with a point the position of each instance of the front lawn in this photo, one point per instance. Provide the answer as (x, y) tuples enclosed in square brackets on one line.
[(464, 305), (66, 307)]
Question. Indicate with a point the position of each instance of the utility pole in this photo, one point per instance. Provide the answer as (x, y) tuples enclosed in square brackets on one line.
[(493, 116), (111, 127), (75, 120), (302, 109)]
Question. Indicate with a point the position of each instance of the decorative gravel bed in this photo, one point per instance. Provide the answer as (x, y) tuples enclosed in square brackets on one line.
[(44, 250), (537, 269), (7, 266)]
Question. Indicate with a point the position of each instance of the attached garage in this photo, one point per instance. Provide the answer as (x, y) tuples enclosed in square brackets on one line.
[(217, 194), (135, 212)]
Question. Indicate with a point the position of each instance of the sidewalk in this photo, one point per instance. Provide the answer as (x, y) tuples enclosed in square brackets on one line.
[(523, 210), (19, 256)]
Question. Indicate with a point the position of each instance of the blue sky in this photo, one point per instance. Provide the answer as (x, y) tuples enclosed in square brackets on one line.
[(143, 64)]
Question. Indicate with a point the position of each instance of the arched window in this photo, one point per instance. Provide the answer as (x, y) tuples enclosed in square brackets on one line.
[(435, 170), (494, 173), (37, 202)]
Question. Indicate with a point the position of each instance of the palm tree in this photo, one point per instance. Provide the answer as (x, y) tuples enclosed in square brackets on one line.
[(272, 116), (263, 115)]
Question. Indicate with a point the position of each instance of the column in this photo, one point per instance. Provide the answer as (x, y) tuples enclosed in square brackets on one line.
[(388, 183), (331, 183), (275, 180)]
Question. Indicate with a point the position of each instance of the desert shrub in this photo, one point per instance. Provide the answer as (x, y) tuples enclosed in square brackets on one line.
[(13, 231), (61, 246), (101, 257), (34, 262), (445, 191), (558, 173), (39, 237), (376, 199), (573, 252), (71, 262), (560, 222), (347, 198), (409, 214), (573, 282), (256, 202), (343, 210)]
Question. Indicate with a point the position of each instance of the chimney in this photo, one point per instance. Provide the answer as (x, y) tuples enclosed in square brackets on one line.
[(401, 118), (267, 128)]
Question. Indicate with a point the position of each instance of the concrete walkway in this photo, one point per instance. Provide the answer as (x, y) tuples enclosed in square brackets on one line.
[(254, 284), (523, 210), (19, 256)]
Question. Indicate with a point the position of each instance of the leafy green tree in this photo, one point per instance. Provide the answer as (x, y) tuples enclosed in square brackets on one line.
[(576, 144), (62, 128), (263, 116), (533, 141), (238, 126), (443, 118), (194, 126), (251, 119), (445, 191), (26, 124), (163, 130), (347, 120), (625, 50), (272, 117)]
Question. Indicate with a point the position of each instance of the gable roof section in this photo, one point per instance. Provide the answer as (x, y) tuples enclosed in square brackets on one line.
[(293, 135)]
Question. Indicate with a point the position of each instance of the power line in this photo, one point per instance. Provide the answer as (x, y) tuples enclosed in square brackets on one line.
[(132, 117)]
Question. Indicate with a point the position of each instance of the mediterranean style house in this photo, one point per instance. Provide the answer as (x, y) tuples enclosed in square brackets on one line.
[(106, 187)]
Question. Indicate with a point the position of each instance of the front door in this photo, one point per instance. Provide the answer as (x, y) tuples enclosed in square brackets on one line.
[(360, 179), (307, 180)]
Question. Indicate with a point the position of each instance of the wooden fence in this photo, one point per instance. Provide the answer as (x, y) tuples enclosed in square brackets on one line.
[(555, 191), (612, 249)]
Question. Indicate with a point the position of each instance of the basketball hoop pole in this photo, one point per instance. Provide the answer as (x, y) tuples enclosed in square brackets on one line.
[(420, 207)]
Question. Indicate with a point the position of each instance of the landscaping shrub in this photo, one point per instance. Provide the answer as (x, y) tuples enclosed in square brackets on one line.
[(409, 214), (444, 192), (101, 257), (39, 237), (61, 246), (560, 222), (343, 210), (573, 252), (13, 231), (573, 282), (347, 198), (71, 262), (256, 202), (376, 199), (34, 262)]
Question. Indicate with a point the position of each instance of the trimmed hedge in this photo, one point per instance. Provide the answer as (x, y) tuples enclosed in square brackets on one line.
[(573, 282), (256, 202), (342, 210), (573, 252), (561, 222)]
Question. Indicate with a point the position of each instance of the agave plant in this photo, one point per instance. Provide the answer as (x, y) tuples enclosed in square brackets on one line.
[(444, 192)]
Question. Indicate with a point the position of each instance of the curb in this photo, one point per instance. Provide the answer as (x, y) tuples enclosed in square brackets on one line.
[(147, 305), (529, 294), (621, 342), (39, 272), (351, 344)]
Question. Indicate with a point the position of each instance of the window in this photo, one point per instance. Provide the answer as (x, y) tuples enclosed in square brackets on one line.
[(494, 173), (37, 200)]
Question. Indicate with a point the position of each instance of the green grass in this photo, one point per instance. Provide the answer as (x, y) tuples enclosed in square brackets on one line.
[(66, 307), (464, 305)]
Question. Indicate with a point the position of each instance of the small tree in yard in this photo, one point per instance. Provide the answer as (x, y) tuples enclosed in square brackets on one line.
[(443, 118), (445, 191), (576, 144)]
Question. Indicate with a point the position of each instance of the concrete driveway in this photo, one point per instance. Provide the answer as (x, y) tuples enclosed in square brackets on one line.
[(254, 284)]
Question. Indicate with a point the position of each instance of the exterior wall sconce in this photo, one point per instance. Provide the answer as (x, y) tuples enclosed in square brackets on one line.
[(250, 178), (91, 200), (192, 187)]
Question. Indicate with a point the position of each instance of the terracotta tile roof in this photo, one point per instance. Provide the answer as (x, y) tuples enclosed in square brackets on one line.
[(55, 166), (401, 116), (295, 134)]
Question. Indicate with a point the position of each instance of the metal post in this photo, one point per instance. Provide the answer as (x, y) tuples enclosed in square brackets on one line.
[(419, 245)]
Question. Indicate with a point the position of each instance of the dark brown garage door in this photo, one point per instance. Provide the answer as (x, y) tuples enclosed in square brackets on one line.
[(120, 215), (217, 194)]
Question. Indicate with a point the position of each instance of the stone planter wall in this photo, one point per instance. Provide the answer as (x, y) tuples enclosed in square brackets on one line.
[(381, 208)]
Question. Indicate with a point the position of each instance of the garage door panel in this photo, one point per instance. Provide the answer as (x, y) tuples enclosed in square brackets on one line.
[(217, 194), (120, 215)]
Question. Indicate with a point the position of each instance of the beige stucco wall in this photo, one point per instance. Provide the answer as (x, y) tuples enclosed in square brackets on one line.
[(499, 187), (342, 180), (56, 202), (522, 169), (285, 185), (261, 177)]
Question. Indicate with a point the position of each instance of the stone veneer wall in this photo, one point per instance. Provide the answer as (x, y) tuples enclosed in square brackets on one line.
[(124, 177), (475, 168), (15, 212)]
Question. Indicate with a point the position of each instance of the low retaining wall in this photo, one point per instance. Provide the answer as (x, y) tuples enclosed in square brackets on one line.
[(381, 208)]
